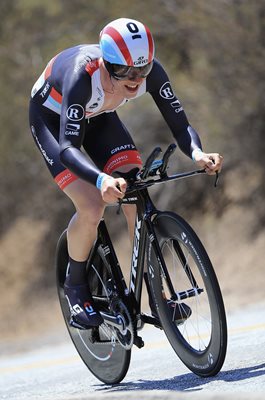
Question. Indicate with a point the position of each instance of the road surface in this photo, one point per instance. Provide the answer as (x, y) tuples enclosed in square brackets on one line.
[(54, 371)]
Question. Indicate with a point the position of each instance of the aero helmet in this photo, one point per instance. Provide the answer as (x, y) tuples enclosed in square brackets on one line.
[(127, 42)]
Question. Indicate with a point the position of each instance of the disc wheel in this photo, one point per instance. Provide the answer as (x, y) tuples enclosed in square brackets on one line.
[(99, 348)]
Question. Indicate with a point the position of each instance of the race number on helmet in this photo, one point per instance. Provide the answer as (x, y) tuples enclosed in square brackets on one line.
[(128, 42)]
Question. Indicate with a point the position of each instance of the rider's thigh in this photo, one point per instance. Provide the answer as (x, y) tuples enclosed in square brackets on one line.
[(86, 199)]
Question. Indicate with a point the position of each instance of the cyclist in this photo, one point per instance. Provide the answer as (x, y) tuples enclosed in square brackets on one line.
[(73, 104)]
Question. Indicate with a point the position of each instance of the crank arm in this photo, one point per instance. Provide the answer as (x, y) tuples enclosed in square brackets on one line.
[(116, 322)]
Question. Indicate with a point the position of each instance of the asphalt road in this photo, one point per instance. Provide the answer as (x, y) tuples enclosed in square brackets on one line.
[(52, 370)]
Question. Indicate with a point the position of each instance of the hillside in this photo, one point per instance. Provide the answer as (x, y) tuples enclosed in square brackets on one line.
[(213, 53)]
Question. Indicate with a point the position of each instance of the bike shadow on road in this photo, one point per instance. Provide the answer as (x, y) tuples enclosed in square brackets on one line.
[(187, 382)]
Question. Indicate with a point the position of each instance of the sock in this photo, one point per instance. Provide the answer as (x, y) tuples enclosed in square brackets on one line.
[(77, 272)]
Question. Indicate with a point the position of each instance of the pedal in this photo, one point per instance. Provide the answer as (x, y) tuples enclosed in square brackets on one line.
[(148, 319), (138, 342)]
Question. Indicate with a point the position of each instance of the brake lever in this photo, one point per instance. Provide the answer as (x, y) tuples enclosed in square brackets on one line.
[(216, 179), (119, 201), (119, 207)]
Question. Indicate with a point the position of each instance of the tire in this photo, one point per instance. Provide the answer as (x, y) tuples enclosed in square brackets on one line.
[(98, 348), (201, 340)]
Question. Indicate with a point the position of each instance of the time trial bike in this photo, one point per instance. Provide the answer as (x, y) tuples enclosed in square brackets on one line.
[(169, 257)]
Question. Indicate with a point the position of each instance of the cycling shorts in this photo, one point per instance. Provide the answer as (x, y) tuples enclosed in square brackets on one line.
[(106, 141)]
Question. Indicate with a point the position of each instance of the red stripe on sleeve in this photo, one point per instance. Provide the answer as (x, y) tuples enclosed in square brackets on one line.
[(56, 96), (65, 178)]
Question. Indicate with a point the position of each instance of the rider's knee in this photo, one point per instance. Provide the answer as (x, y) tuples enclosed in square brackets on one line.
[(90, 212), (87, 201)]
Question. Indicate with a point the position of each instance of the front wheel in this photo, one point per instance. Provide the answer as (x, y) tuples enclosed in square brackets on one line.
[(200, 341), (99, 348)]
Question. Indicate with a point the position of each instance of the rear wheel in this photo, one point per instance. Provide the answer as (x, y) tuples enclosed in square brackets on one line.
[(99, 347), (200, 341)]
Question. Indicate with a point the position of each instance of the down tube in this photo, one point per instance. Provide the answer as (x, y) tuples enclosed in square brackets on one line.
[(138, 257)]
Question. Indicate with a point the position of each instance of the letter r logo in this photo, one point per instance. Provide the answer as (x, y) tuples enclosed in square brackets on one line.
[(166, 91), (75, 112)]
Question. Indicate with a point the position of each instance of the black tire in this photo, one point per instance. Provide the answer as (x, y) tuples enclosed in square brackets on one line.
[(98, 348), (201, 340)]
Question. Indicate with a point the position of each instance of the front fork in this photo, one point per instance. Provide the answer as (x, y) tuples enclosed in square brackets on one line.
[(174, 296), (160, 259)]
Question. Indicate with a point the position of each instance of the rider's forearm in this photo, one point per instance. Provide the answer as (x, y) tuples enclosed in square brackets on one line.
[(73, 159), (188, 140)]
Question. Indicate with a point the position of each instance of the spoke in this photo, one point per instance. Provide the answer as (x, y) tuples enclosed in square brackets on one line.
[(183, 270)]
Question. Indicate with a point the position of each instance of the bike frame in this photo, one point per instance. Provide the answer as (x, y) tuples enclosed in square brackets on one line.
[(138, 194)]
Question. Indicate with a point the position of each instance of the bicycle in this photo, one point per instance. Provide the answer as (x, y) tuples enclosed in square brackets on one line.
[(169, 257)]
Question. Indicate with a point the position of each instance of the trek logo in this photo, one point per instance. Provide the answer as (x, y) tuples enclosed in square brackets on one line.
[(75, 112), (166, 91), (45, 90), (138, 224), (72, 129)]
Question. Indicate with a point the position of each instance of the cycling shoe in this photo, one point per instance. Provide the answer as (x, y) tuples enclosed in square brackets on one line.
[(83, 313)]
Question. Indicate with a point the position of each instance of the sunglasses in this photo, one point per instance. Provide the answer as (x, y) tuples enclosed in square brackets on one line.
[(120, 72)]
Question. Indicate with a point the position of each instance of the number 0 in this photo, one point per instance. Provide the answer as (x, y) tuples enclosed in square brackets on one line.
[(133, 28)]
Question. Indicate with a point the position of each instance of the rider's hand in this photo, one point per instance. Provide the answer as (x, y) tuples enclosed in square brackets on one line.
[(211, 162), (113, 189)]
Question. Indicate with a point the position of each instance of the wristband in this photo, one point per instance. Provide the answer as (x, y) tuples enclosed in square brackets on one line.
[(195, 150), (100, 179)]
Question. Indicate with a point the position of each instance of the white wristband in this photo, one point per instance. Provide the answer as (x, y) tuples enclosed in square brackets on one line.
[(100, 179), (198, 150)]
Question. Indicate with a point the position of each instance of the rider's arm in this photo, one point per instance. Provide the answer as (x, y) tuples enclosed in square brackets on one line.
[(76, 92), (158, 85)]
